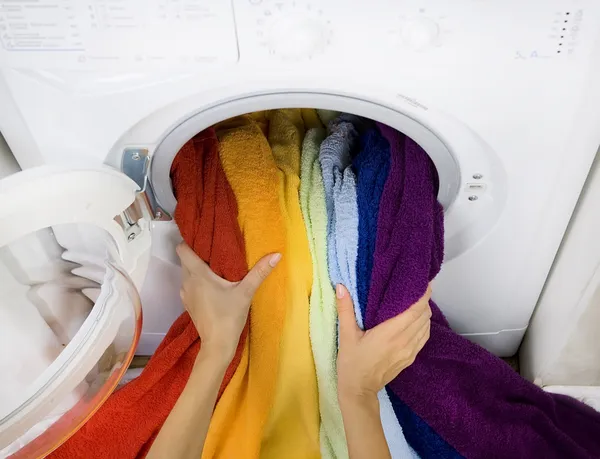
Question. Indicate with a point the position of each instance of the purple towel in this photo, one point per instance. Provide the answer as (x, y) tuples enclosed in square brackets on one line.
[(372, 167), (472, 399)]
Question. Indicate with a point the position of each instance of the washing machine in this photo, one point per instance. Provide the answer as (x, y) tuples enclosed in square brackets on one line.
[(98, 96)]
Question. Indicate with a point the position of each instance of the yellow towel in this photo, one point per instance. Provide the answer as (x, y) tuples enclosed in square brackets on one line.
[(238, 424), (293, 427), (311, 118)]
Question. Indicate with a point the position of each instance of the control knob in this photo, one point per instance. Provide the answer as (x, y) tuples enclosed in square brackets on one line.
[(420, 32), (297, 37)]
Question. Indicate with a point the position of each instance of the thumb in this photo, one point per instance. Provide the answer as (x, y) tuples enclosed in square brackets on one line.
[(349, 329), (261, 270)]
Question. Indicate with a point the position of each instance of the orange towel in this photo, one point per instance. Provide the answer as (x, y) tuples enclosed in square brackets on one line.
[(128, 422), (240, 417), (293, 427)]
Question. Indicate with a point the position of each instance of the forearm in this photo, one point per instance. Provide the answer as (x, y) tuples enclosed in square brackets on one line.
[(362, 424), (184, 432)]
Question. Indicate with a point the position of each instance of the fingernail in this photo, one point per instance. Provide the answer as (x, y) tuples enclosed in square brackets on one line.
[(339, 291), (274, 260)]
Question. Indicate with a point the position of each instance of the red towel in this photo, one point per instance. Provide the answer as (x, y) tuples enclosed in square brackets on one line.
[(126, 425)]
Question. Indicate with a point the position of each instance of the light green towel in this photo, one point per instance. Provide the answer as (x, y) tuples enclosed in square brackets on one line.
[(322, 310), (327, 115)]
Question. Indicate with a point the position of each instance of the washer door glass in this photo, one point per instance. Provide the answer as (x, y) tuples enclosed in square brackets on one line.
[(70, 315)]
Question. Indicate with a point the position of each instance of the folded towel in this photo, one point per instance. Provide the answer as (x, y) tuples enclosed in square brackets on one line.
[(238, 423), (342, 243), (372, 166), (293, 426), (322, 310), (206, 213), (472, 399)]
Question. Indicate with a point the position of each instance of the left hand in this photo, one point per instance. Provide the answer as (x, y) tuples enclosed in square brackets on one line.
[(219, 308), (368, 360)]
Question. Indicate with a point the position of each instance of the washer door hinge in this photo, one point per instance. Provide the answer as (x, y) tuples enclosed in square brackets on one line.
[(136, 165)]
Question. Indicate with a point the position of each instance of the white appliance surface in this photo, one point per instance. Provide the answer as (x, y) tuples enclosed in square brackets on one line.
[(561, 347), (503, 95)]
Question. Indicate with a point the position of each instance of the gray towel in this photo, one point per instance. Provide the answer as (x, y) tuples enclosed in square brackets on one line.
[(335, 157)]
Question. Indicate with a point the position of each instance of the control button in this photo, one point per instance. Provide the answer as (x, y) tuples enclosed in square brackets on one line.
[(297, 37), (476, 187), (420, 32)]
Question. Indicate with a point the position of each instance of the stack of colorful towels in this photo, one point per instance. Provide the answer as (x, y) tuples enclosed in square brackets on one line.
[(349, 201)]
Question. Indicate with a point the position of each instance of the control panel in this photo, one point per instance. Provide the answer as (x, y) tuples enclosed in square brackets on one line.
[(432, 30), (88, 33), (189, 33)]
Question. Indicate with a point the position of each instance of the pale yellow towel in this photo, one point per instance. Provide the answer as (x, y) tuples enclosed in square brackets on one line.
[(293, 427)]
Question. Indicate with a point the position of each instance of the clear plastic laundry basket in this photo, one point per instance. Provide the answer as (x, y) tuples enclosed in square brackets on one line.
[(70, 319)]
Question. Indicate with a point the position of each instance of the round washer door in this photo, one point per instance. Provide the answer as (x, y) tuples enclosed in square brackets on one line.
[(473, 182), (70, 314)]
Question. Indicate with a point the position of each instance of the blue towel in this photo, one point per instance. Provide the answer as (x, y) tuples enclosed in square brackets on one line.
[(372, 165), (424, 440), (342, 242)]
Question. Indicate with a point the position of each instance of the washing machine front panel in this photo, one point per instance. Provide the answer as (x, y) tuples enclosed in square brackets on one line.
[(105, 67), (522, 78)]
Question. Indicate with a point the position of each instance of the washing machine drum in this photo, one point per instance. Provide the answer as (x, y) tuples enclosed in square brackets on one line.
[(70, 313), (472, 179)]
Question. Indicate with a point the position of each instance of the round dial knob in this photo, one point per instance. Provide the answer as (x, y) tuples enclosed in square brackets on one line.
[(420, 32), (297, 37)]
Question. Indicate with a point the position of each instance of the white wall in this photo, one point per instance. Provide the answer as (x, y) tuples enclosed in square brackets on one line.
[(562, 345)]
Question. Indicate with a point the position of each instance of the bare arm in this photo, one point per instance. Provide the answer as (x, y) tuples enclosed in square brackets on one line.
[(362, 424), (367, 361), (219, 310), (183, 433)]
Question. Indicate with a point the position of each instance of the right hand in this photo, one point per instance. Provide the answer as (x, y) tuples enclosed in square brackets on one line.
[(368, 360), (219, 308)]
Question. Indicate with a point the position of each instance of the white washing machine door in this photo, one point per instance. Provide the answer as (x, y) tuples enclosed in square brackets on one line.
[(74, 247)]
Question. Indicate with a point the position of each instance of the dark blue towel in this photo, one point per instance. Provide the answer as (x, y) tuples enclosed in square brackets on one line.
[(372, 167), (418, 434)]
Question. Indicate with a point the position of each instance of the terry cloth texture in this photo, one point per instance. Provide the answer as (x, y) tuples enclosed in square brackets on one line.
[(471, 398), (323, 309), (206, 213)]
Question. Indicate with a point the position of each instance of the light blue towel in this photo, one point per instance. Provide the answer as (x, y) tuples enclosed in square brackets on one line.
[(339, 179), (335, 157)]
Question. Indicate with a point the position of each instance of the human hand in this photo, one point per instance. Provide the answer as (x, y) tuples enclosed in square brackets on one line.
[(219, 308), (368, 360)]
